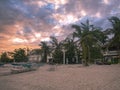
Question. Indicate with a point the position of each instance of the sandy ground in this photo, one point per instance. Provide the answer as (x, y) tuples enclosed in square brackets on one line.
[(64, 77)]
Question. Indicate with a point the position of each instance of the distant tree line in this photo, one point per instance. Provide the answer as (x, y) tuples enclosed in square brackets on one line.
[(18, 55)]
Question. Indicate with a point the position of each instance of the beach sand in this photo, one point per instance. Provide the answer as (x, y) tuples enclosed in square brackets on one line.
[(64, 77)]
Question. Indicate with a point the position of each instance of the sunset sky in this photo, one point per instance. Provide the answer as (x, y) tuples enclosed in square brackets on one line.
[(24, 23)]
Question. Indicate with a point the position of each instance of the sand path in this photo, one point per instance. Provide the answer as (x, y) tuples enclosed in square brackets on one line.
[(65, 77)]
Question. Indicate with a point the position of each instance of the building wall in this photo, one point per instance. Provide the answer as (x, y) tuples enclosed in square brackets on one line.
[(111, 56), (34, 58)]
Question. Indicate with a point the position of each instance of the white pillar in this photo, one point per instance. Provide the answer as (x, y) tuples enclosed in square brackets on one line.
[(67, 61), (64, 57), (76, 59)]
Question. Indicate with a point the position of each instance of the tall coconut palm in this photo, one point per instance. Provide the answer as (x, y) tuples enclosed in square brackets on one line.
[(88, 36), (45, 51), (115, 30)]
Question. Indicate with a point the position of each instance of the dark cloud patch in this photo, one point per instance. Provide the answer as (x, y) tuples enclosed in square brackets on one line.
[(91, 7), (2, 30), (6, 30), (77, 6), (9, 13), (43, 13), (27, 30), (6, 12), (2, 37)]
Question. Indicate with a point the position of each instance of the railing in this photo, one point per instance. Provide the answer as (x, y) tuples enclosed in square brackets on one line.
[(110, 53)]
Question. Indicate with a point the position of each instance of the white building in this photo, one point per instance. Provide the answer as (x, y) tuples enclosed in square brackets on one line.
[(112, 54), (35, 56)]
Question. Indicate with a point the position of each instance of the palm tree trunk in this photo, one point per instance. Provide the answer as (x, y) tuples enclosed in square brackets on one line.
[(85, 54), (89, 54)]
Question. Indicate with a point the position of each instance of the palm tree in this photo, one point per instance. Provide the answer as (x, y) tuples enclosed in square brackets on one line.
[(88, 36), (45, 51), (70, 47), (20, 55), (115, 30), (56, 49)]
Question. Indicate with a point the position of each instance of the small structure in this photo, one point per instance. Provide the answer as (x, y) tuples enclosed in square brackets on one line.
[(111, 54), (35, 55), (34, 58)]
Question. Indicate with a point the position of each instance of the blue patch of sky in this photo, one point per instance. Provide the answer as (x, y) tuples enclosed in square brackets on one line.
[(19, 5), (50, 6), (45, 12), (26, 30), (51, 21), (115, 11)]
